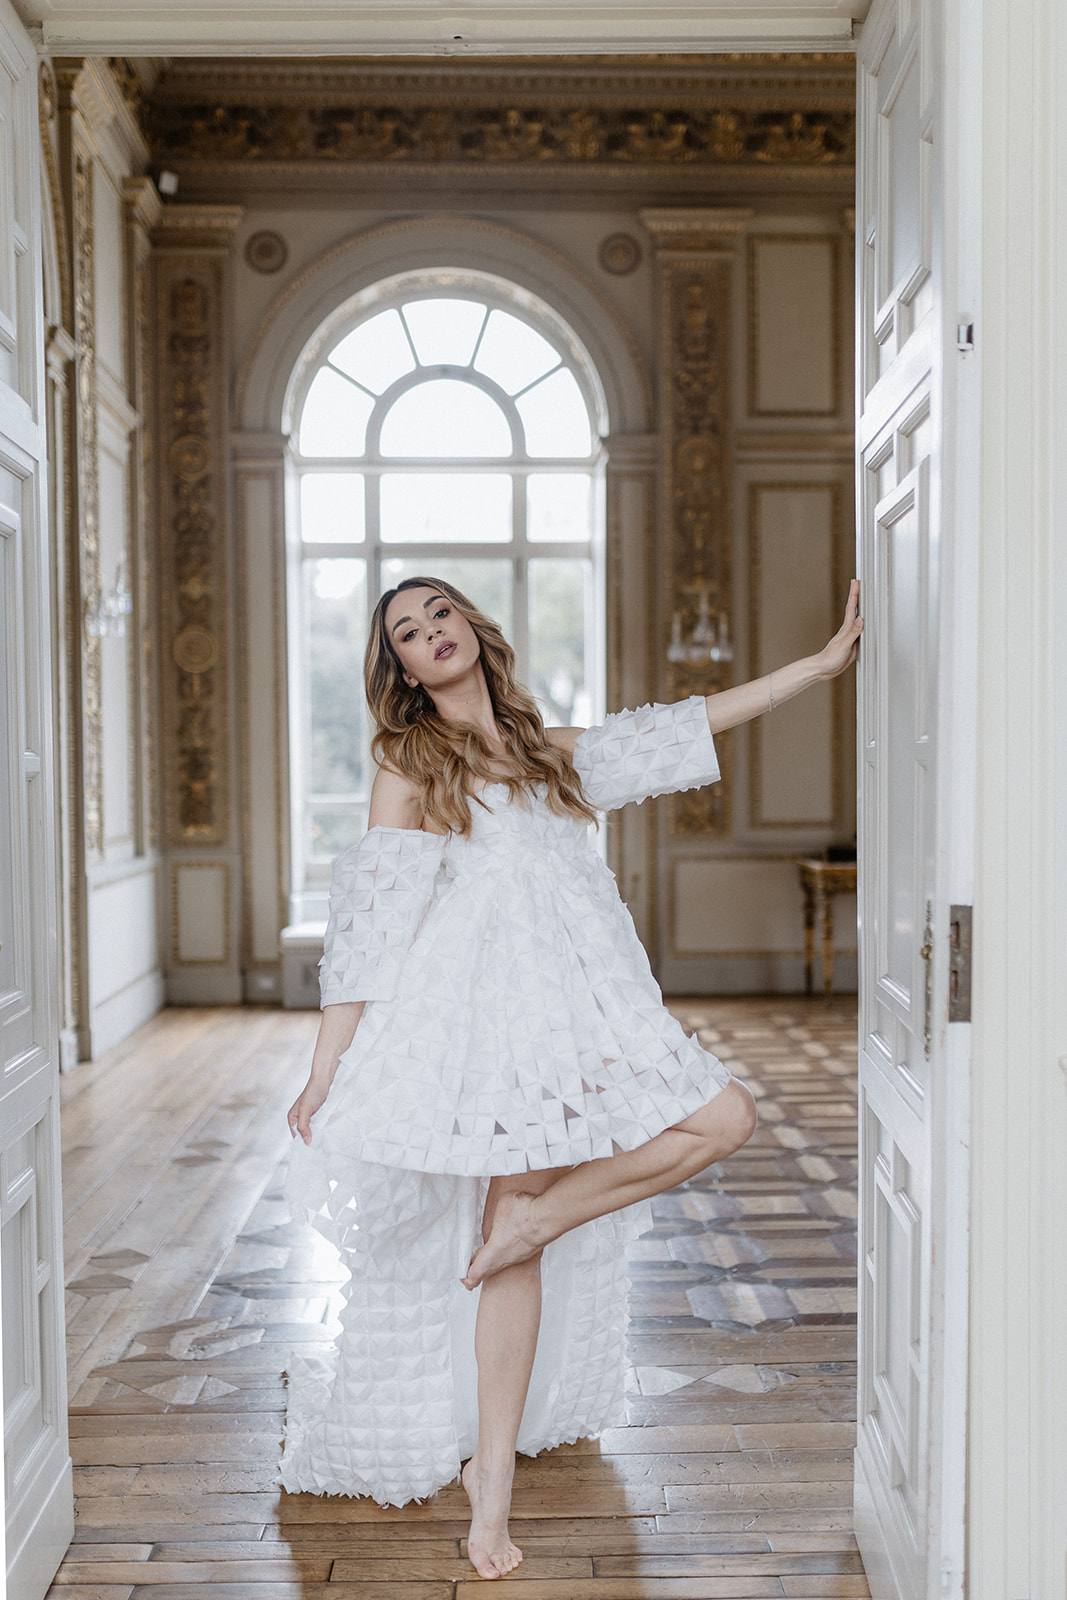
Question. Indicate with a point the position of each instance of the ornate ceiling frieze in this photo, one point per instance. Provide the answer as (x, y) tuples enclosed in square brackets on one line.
[(654, 115), (549, 135)]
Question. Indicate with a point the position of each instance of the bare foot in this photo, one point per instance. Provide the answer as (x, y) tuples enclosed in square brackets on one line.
[(489, 1546), (515, 1237)]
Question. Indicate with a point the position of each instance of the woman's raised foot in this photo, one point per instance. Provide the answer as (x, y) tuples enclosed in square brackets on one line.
[(515, 1237), (489, 1547)]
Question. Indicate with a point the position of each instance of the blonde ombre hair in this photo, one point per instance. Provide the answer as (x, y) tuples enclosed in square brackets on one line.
[(441, 758)]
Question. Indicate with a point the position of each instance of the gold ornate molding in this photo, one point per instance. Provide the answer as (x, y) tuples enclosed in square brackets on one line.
[(192, 244), (695, 250), (47, 113), (748, 112), (143, 207), (505, 134), (88, 499)]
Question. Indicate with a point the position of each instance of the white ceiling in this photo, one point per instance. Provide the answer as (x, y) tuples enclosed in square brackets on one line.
[(430, 27)]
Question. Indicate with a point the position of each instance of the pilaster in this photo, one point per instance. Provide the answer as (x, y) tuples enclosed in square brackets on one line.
[(191, 328), (695, 250)]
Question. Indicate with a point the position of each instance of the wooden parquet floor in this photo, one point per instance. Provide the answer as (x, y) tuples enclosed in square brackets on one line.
[(188, 1288)]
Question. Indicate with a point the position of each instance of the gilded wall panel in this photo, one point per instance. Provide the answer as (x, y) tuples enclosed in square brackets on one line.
[(192, 392), (695, 251)]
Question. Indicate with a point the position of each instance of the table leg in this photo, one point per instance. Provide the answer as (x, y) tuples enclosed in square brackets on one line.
[(827, 944), (809, 937)]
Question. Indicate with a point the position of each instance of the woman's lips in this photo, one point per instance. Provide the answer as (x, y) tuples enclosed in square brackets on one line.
[(443, 650)]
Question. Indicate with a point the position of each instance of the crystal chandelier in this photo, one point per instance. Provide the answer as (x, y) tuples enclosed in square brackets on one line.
[(710, 638)]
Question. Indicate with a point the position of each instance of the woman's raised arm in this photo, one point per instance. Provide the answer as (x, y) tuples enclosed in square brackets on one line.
[(748, 700)]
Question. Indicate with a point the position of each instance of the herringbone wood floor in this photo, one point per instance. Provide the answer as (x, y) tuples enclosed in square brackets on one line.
[(188, 1288)]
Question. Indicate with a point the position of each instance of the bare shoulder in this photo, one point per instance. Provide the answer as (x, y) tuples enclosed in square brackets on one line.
[(563, 738), (395, 801)]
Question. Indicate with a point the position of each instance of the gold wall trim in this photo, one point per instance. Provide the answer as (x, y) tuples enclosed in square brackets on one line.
[(695, 252), (88, 499), (192, 244), (755, 243), (834, 822), (47, 110)]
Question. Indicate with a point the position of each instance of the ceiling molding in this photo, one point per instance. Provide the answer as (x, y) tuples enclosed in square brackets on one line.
[(345, 27), (768, 122)]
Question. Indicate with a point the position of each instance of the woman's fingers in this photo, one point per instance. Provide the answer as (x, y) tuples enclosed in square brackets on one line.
[(299, 1120)]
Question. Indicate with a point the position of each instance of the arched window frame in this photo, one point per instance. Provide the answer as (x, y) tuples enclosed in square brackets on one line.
[(311, 872)]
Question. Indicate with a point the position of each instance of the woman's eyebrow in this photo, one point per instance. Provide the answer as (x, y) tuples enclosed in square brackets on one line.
[(425, 603)]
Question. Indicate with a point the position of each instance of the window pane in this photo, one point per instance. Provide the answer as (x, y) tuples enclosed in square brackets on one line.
[(332, 508), (335, 617), (555, 418), (558, 505), (330, 832), (488, 583), (376, 353), (558, 626), (512, 354), (444, 332), (452, 508), (445, 418), (334, 420)]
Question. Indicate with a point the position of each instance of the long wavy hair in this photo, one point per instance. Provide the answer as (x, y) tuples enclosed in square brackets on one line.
[(443, 758)]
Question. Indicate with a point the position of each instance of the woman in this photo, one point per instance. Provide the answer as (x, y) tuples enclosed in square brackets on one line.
[(517, 1087)]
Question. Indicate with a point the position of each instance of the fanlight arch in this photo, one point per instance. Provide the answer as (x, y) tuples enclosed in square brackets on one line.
[(445, 421)]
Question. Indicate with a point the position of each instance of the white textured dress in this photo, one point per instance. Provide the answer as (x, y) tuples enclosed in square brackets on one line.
[(513, 1024)]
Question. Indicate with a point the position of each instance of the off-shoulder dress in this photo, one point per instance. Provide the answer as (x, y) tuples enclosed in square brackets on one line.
[(513, 1024)]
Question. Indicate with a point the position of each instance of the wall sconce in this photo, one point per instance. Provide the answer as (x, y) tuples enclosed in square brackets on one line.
[(106, 613), (709, 640)]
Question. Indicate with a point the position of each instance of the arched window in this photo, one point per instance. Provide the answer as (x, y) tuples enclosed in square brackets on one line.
[(449, 426)]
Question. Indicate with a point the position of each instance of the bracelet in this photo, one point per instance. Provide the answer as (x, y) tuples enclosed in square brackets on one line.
[(770, 693)]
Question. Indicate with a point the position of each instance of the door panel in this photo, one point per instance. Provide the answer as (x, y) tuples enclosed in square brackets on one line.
[(902, 1038), (39, 1506)]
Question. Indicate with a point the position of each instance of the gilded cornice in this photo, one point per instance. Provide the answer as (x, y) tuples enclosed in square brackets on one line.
[(608, 115), (92, 87)]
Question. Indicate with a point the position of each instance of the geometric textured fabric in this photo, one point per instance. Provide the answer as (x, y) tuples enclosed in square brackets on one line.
[(513, 1025), (523, 1028), (391, 1411), (380, 889), (634, 755)]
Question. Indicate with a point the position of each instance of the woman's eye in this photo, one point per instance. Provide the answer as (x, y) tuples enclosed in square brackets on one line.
[(442, 613), (409, 636)]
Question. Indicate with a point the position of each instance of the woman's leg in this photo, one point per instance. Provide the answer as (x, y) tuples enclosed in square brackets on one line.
[(505, 1339), (526, 1221)]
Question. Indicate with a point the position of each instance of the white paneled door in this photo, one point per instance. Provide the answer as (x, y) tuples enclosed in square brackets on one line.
[(37, 1476), (908, 1492)]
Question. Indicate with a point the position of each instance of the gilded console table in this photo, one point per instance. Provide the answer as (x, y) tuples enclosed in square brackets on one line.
[(822, 880)]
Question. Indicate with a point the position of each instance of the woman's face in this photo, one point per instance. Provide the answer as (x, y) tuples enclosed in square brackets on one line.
[(435, 644)]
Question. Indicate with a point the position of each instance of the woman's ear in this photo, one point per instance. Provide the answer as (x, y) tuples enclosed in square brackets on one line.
[(412, 683)]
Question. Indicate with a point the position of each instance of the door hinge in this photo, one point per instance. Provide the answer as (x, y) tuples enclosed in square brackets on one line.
[(959, 963)]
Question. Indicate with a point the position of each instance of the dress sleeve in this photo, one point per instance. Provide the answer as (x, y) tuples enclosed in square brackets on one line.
[(380, 891), (633, 755)]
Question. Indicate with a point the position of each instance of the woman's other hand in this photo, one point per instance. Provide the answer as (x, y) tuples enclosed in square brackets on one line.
[(336, 1032), (844, 647), (310, 1099)]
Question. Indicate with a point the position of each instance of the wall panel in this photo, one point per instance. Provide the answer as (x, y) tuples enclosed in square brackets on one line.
[(793, 539)]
